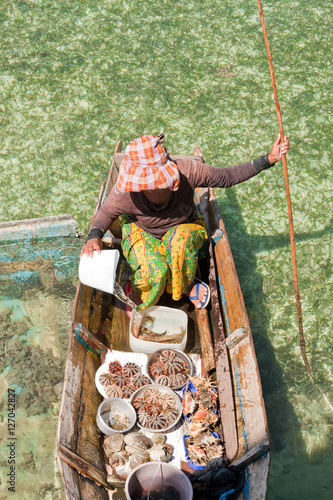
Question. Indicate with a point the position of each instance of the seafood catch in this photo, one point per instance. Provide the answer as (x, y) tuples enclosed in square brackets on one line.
[(149, 330), (122, 381), (156, 408), (202, 443), (132, 450), (169, 367)]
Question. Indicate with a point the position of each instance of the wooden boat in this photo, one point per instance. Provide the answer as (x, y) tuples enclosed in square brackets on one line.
[(226, 347)]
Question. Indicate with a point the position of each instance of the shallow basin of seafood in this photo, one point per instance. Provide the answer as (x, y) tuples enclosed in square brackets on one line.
[(114, 416), (115, 379), (169, 367), (158, 408), (161, 327)]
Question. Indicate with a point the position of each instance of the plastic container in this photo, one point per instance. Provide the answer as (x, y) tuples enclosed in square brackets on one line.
[(165, 316), (116, 405), (154, 476), (99, 271), (190, 463)]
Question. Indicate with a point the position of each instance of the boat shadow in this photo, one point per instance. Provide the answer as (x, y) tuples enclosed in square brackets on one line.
[(281, 418)]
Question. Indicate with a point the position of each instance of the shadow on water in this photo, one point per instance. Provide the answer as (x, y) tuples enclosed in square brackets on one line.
[(280, 414)]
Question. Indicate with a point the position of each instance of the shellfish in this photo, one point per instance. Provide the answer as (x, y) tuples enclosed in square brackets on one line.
[(138, 458), (154, 408), (113, 444), (171, 415), (113, 391), (152, 395), (105, 379), (119, 458), (118, 421), (157, 369), (131, 369), (158, 454), (127, 391), (143, 418), (139, 403), (167, 355), (162, 380), (167, 400), (139, 380), (120, 379), (157, 421), (138, 440), (177, 379), (115, 367)]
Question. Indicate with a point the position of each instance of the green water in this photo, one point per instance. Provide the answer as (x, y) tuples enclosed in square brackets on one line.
[(77, 76)]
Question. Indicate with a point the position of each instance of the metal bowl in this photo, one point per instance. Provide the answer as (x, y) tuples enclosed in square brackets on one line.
[(163, 389), (155, 357)]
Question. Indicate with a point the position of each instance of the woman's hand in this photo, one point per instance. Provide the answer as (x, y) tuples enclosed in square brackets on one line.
[(278, 149), (90, 246)]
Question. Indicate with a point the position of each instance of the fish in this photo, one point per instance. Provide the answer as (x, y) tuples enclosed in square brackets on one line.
[(160, 337)]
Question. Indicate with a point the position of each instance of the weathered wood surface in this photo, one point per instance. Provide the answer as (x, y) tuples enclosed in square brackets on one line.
[(43, 227), (84, 467), (208, 356), (223, 374)]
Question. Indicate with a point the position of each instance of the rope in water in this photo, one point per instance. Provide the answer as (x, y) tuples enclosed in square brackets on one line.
[(290, 215)]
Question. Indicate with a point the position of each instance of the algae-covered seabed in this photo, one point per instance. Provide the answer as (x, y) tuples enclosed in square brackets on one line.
[(77, 76)]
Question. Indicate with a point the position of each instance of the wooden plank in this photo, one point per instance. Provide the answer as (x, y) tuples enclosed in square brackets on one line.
[(85, 299), (223, 372), (82, 466), (257, 452), (92, 491), (250, 410), (70, 402), (88, 437), (96, 312), (235, 337), (89, 339), (255, 487), (70, 478), (43, 227), (205, 339), (231, 300)]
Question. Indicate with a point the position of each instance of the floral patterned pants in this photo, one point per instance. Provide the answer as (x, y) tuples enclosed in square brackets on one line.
[(168, 264)]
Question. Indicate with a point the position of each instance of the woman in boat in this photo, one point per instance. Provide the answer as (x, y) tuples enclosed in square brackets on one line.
[(162, 233)]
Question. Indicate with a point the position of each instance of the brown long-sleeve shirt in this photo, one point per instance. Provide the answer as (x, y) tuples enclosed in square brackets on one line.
[(180, 207)]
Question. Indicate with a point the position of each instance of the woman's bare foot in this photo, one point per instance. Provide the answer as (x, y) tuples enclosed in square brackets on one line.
[(198, 294)]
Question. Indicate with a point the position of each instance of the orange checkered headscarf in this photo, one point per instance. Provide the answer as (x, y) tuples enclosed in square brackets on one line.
[(147, 166)]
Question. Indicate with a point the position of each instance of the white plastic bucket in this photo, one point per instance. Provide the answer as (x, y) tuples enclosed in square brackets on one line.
[(167, 313), (99, 271), (154, 475)]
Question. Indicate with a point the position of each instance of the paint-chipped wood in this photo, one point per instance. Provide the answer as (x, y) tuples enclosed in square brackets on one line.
[(89, 338), (223, 372), (88, 436), (85, 468), (205, 340), (72, 490), (257, 452)]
